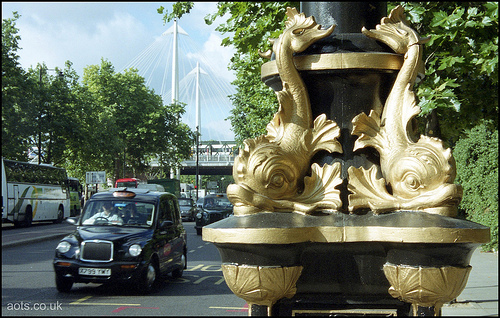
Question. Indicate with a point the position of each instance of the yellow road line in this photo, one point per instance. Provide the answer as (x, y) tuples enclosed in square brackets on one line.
[(80, 300), (236, 308)]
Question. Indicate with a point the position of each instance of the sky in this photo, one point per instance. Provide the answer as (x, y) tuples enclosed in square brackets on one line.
[(121, 32)]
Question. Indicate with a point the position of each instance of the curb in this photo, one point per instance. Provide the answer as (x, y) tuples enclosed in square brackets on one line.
[(33, 240)]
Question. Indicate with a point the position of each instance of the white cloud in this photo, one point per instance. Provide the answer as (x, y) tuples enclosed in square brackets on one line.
[(54, 43)]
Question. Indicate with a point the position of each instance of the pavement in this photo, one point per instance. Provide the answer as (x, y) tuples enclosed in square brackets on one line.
[(479, 298)]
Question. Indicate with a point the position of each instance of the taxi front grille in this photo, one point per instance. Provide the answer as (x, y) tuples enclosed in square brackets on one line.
[(217, 216), (97, 251)]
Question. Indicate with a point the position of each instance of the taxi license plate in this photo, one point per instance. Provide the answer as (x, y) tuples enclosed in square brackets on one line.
[(94, 271)]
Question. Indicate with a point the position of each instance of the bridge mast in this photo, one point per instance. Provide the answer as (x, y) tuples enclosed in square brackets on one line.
[(175, 73), (175, 83), (197, 126)]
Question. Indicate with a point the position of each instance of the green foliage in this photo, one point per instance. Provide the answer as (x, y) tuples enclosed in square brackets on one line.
[(134, 123), (461, 60), (18, 109), (178, 10), (476, 156)]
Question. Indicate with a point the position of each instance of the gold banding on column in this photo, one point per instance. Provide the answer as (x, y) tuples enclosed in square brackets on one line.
[(332, 61), (330, 234)]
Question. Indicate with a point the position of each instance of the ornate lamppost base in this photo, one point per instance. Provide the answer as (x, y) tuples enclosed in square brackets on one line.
[(288, 263)]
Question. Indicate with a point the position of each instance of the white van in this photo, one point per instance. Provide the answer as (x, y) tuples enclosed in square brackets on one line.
[(151, 186)]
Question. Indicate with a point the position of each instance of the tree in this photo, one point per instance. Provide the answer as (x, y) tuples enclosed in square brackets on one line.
[(133, 123), (52, 120), (18, 109), (477, 170)]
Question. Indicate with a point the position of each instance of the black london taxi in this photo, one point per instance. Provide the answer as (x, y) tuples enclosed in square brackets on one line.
[(188, 209), (123, 235), (212, 208)]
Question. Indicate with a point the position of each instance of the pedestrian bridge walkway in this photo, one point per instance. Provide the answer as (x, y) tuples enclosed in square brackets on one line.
[(214, 158)]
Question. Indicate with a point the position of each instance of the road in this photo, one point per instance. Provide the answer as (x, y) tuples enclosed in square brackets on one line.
[(28, 286)]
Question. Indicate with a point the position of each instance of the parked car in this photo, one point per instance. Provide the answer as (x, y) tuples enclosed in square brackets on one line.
[(188, 209), (133, 235), (212, 208)]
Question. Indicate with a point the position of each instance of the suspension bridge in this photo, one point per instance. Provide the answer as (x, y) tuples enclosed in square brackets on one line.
[(175, 67)]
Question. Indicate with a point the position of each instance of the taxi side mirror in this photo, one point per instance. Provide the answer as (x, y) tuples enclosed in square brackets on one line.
[(72, 220)]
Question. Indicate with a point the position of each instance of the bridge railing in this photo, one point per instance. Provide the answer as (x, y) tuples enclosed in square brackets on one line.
[(214, 157)]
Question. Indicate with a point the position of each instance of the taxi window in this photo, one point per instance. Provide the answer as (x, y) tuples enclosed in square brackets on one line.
[(165, 211), (175, 211)]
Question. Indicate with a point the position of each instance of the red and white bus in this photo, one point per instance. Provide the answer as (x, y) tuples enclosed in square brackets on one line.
[(127, 182)]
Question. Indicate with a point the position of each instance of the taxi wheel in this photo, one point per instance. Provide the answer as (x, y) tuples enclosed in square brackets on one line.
[(177, 273), (149, 278), (63, 284)]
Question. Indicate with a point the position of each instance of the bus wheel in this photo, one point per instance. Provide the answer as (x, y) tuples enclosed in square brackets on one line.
[(28, 218), (60, 215), (25, 223)]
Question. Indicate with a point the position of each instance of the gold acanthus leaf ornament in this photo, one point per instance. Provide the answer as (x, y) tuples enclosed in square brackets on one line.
[(416, 175), (271, 171)]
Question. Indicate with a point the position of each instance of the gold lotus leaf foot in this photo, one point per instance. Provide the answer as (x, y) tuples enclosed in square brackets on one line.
[(261, 285), (426, 286)]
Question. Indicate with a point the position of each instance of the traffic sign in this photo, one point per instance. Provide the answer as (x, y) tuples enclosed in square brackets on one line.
[(93, 177)]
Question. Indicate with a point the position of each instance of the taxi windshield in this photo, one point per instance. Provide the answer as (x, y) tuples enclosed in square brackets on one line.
[(185, 202), (118, 213), (216, 203)]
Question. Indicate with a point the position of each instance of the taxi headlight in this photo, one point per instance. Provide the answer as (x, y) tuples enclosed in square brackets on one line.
[(135, 250), (63, 247), (199, 215)]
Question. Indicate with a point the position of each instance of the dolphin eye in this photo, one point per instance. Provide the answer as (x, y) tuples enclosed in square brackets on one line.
[(277, 180), (412, 181), (298, 31)]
